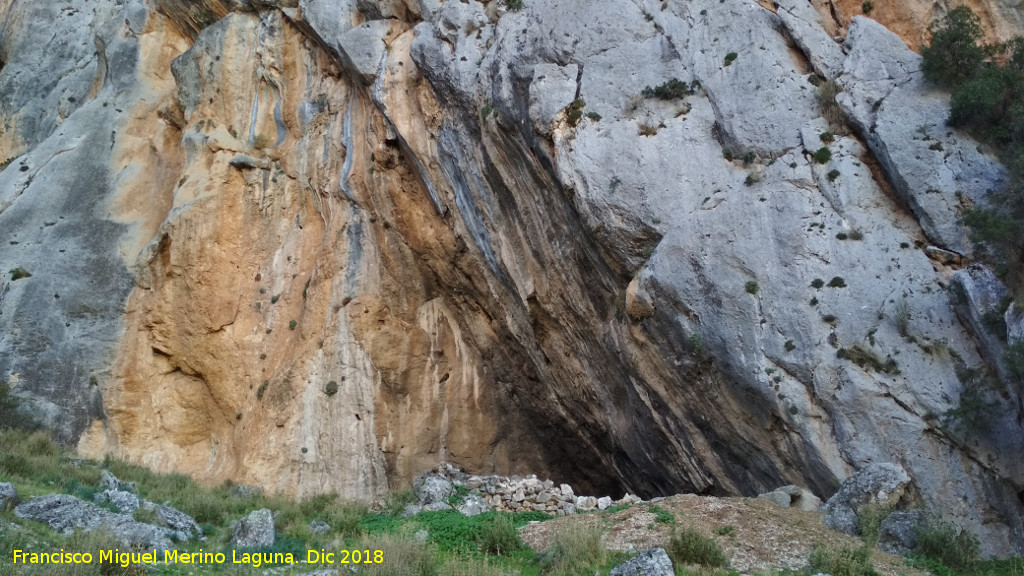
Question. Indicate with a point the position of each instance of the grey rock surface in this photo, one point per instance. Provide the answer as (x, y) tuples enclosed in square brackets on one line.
[(777, 496), (319, 527), (875, 483), (125, 502), (8, 495), (184, 526), (65, 514), (473, 505), (897, 534), (431, 489), (650, 562), (256, 530)]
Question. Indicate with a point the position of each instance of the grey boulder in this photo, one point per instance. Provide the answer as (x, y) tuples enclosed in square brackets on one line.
[(897, 534), (184, 526), (473, 505), (875, 483), (255, 530), (319, 527), (432, 489), (8, 495), (125, 502), (651, 562), (110, 482)]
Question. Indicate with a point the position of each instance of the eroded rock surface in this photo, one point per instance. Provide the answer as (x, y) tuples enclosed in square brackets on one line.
[(323, 245)]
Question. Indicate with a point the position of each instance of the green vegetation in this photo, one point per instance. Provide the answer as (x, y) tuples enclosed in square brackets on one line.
[(730, 58), (823, 155), (837, 282), (331, 388), (262, 389), (842, 561), (751, 287), (945, 544), (987, 84), (574, 112), (827, 137), (830, 110), (790, 346), (673, 89), (687, 546), (513, 5), (292, 324), (661, 515), (867, 6), (817, 283), (19, 273), (867, 359), (832, 175)]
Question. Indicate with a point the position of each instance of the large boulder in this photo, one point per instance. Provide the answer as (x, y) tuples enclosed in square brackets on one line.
[(897, 534), (432, 491), (255, 530), (65, 514), (875, 483), (651, 562)]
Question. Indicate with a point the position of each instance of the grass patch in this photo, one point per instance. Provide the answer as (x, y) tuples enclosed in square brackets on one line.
[(842, 561), (687, 546)]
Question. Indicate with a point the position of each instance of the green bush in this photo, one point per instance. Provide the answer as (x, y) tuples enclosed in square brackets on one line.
[(842, 562), (954, 54), (19, 273), (574, 112), (730, 58), (941, 541), (499, 536), (673, 89), (687, 546), (823, 155), (751, 287), (577, 549)]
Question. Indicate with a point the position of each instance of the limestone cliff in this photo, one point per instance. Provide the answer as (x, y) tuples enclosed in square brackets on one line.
[(322, 245)]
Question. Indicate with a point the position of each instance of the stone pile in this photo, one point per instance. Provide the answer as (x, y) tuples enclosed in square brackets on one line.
[(503, 493)]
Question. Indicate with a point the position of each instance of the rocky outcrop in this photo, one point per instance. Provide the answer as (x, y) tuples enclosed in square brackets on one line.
[(65, 514), (321, 245), (8, 496)]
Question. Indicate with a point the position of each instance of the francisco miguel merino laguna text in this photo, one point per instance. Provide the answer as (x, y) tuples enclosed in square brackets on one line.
[(254, 559)]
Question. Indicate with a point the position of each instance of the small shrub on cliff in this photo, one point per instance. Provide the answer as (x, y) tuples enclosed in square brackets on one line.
[(331, 388), (730, 58), (751, 287), (574, 112), (823, 155), (673, 89), (19, 273), (514, 5)]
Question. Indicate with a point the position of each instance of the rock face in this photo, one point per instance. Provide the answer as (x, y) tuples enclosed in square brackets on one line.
[(319, 246)]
